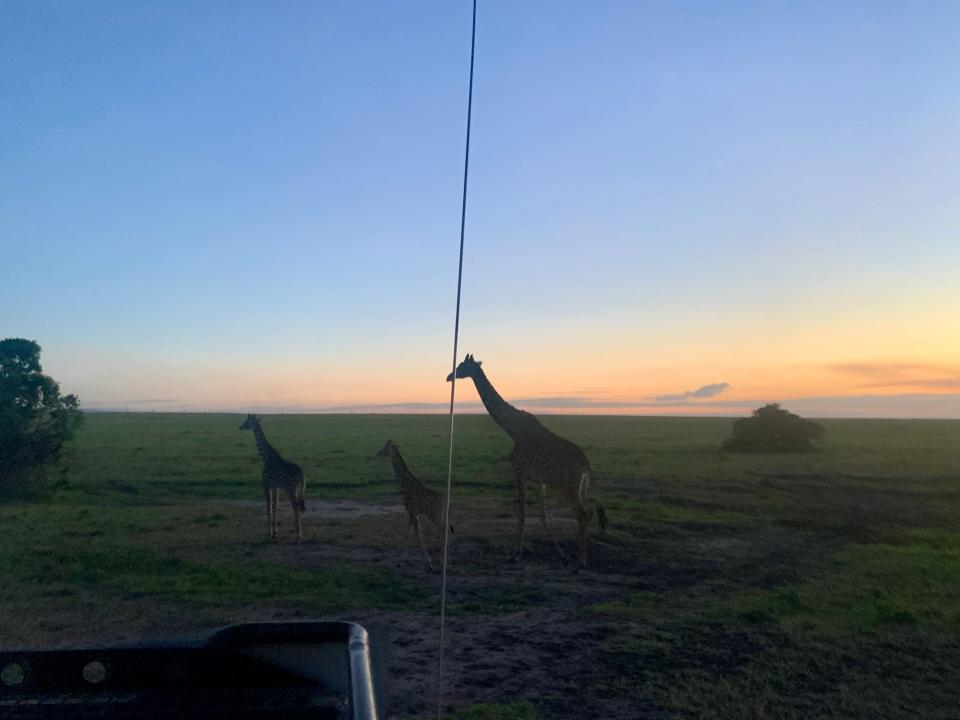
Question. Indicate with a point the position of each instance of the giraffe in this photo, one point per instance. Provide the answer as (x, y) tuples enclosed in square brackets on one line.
[(418, 499), (278, 474), (539, 458)]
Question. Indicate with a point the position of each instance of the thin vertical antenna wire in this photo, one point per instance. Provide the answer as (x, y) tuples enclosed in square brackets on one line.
[(453, 379)]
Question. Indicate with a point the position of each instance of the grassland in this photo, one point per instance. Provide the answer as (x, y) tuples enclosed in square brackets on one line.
[(728, 586)]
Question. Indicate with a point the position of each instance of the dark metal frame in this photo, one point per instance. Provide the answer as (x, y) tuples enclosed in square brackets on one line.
[(216, 661)]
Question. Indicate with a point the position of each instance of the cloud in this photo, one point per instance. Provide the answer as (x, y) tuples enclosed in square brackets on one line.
[(944, 406), (399, 407), (881, 369), (572, 401), (947, 383), (839, 406), (901, 375), (577, 392), (123, 404), (707, 391), (904, 405)]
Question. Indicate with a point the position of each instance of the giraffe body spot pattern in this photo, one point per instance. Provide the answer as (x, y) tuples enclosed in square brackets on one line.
[(539, 458), (418, 500), (278, 474)]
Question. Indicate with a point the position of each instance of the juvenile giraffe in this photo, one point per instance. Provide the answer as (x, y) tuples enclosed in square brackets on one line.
[(418, 499), (278, 474), (539, 458)]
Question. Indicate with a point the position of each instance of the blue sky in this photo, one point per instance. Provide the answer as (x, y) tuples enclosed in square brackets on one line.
[(227, 205)]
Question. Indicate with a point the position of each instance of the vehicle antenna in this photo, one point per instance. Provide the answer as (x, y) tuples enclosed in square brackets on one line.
[(453, 378)]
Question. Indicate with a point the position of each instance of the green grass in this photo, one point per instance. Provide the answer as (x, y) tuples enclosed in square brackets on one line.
[(180, 554), (162, 573), (143, 458), (149, 457), (823, 584), (640, 606), (497, 600), (497, 711), (869, 585)]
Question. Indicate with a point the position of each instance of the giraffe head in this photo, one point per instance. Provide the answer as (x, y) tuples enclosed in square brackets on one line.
[(385, 450), (250, 422), (467, 369)]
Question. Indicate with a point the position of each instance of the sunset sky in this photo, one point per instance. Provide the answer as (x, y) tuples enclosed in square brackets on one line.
[(674, 207)]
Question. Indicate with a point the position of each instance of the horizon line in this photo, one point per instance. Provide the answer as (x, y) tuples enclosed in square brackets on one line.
[(674, 416), (917, 406)]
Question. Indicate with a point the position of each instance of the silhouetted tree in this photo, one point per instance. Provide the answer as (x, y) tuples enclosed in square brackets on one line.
[(35, 421), (773, 429)]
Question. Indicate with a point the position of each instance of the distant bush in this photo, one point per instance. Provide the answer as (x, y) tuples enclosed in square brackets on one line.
[(773, 429), (35, 421)]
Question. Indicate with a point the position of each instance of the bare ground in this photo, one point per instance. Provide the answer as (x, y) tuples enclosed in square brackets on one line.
[(332, 509), (517, 628)]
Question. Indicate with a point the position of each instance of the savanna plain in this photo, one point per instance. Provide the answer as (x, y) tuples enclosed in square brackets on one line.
[(817, 585)]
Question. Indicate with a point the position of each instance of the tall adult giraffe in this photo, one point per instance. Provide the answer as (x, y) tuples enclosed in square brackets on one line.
[(278, 474), (539, 457)]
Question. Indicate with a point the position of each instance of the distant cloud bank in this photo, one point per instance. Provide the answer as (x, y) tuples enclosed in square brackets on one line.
[(948, 383), (939, 406), (707, 391), (167, 402), (907, 405), (921, 376)]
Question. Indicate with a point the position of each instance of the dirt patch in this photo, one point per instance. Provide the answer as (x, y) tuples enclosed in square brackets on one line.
[(525, 628), (518, 628), (333, 509)]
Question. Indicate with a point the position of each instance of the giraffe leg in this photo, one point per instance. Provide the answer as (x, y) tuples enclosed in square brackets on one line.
[(301, 506), (270, 512), (266, 492), (295, 504), (521, 513), (583, 523), (276, 512), (275, 509), (423, 544), (545, 519), (411, 524)]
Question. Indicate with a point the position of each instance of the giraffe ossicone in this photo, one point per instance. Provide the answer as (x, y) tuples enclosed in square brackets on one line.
[(539, 458), (418, 500)]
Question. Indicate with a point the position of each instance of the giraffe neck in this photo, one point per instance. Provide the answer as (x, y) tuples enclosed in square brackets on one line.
[(514, 422), (400, 469), (263, 446)]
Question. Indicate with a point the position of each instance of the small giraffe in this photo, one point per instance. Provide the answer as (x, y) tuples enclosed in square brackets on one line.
[(278, 474), (539, 458), (418, 499)]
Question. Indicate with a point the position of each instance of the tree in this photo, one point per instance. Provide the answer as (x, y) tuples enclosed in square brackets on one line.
[(35, 421), (773, 429)]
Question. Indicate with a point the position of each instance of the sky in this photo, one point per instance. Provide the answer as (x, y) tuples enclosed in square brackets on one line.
[(674, 208)]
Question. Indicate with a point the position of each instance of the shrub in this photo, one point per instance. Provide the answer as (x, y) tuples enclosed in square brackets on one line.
[(773, 429), (35, 421)]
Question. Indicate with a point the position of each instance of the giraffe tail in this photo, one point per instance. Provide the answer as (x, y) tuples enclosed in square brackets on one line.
[(601, 518)]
